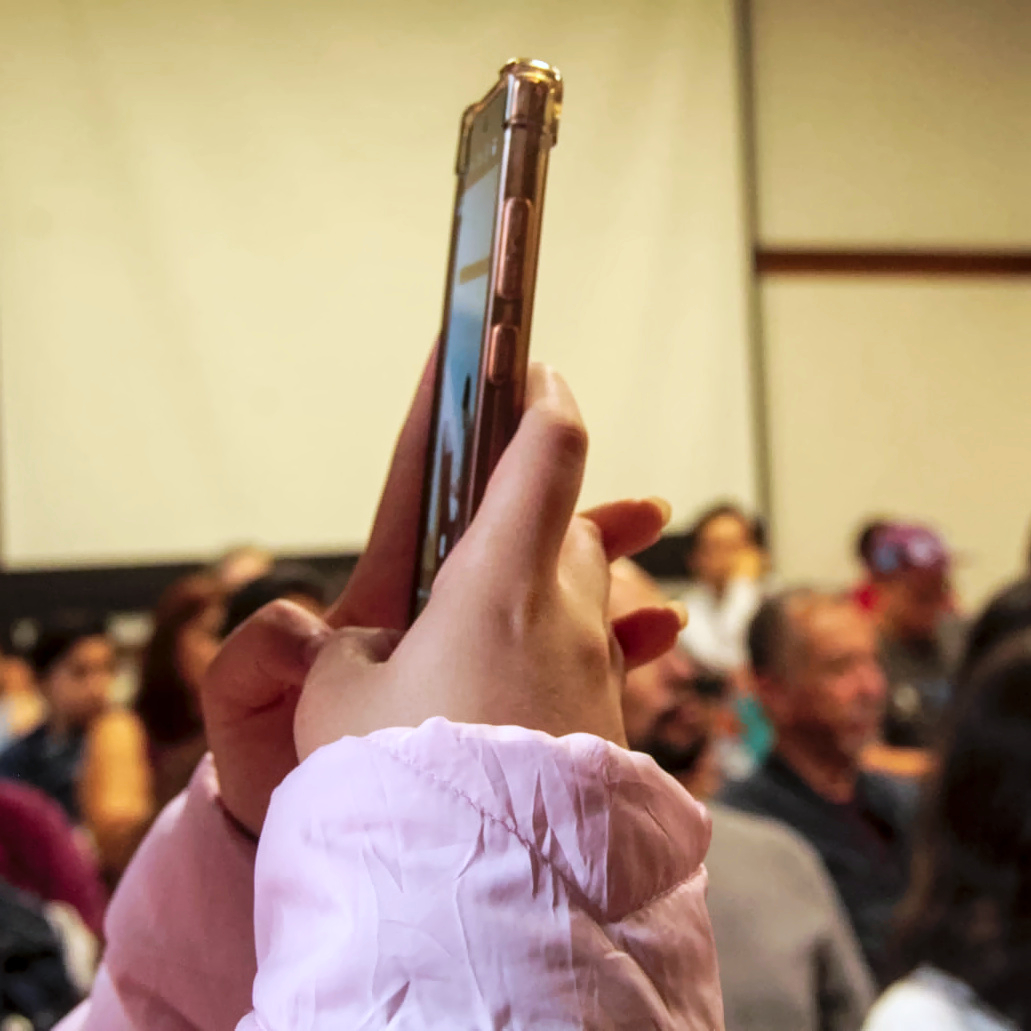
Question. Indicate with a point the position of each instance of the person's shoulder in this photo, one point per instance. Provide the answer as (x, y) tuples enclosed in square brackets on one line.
[(918, 1001), (758, 831), (893, 799), (755, 794), (782, 847), (18, 752)]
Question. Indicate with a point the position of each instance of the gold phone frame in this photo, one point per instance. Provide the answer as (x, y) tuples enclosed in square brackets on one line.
[(532, 107)]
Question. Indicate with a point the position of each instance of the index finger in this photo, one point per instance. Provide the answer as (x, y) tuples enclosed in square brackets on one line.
[(378, 593)]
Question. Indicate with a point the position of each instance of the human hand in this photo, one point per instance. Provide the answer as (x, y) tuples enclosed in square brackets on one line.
[(516, 630)]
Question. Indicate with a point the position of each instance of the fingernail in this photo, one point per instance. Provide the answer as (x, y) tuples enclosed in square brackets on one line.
[(679, 610), (664, 507)]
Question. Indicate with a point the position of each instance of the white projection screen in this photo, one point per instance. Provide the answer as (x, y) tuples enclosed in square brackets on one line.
[(223, 229)]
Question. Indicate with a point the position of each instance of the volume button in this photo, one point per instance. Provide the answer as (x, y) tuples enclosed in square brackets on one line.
[(501, 358), (515, 221)]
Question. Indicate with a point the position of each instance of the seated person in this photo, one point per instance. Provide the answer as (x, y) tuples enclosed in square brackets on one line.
[(864, 594), (814, 658), (40, 854), (289, 581), (788, 958), (724, 592), (186, 636), (74, 663), (87, 755), (920, 637), (964, 932), (21, 706)]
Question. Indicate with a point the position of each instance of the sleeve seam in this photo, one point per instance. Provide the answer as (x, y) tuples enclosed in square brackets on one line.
[(571, 886)]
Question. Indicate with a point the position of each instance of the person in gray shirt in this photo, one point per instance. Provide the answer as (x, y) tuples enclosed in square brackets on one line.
[(789, 960)]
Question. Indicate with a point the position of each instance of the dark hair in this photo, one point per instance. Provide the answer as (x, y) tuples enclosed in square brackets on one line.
[(760, 533), (1007, 613), (288, 578), (694, 532), (59, 635), (167, 705), (866, 538), (968, 911)]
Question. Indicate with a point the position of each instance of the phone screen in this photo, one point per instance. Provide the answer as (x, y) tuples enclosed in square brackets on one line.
[(462, 341)]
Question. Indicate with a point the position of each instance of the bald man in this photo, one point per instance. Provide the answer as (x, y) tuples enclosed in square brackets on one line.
[(788, 958)]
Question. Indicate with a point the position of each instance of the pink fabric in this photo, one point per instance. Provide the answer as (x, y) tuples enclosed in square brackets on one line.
[(441, 877), (180, 928)]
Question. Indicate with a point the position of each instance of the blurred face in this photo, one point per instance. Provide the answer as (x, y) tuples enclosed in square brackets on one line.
[(832, 700), (659, 700), (913, 602), (198, 645), (722, 547), (662, 712), (78, 685)]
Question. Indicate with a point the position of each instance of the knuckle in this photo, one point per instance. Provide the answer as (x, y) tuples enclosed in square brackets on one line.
[(566, 437)]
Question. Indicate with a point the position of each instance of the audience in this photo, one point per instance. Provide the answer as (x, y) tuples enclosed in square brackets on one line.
[(865, 592), (964, 942), (287, 581), (724, 590), (22, 708), (185, 638), (1006, 613), (37, 987), (87, 755), (921, 638), (814, 658), (74, 662), (40, 854), (241, 565), (788, 958)]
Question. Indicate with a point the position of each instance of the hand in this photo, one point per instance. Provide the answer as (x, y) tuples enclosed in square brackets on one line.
[(516, 630), (251, 689)]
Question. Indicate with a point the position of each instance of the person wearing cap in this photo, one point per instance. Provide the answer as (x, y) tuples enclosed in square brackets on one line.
[(920, 636)]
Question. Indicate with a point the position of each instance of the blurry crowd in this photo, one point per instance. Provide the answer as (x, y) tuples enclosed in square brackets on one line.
[(96, 743), (864, 751)]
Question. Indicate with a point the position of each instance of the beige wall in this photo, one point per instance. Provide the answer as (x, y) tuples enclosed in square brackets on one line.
[(893, 122), (897, 123), (222, 243), (905, 399)]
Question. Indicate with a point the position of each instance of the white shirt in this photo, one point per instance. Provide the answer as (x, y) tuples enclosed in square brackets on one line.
[(930, 999), (717, 627)]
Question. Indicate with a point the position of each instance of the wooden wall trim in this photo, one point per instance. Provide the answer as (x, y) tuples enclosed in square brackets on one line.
[(776, 261)]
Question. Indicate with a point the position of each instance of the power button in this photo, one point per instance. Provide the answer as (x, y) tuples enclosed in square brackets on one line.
[(501, 357)]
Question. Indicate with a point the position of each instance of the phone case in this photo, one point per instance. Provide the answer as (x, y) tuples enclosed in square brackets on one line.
[(522, 112), (532, 110)]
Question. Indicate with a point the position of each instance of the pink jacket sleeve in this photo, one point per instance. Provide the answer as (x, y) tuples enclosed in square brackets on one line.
[(481, 877), (180, 930)]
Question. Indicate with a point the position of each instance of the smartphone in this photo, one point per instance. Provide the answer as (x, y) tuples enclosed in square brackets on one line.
[(503, 149)]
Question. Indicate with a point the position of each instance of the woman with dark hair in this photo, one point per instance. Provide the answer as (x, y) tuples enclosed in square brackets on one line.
[(185, 640), (964, 942), (1006, 614)]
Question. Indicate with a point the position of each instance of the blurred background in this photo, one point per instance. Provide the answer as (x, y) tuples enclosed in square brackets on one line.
[(785, 261)]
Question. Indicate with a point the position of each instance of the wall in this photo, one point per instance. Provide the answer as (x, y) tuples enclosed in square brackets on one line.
[(222, 242), (896, 124)]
